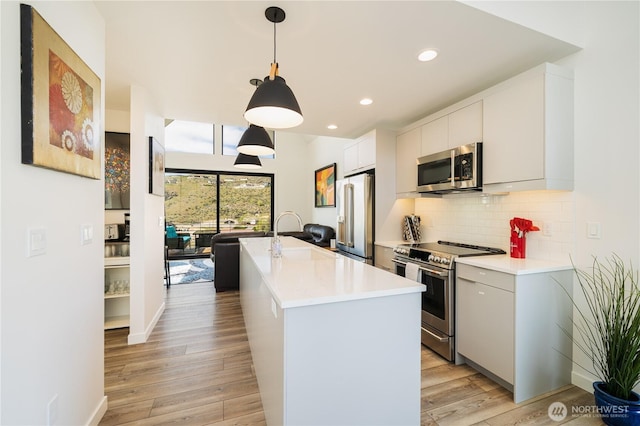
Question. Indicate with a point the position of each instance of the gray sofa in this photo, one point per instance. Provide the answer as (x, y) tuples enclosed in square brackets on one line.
[(225, 251)]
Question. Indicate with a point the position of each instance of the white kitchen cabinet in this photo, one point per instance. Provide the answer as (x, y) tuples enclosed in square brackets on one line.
[(459, 127), (510, 327), (367, 151), (528, 132), (407, 153), (384, 258), (485, 322), (435, 136), (361, 155), (465, 125), (350, 158), (116, 292)]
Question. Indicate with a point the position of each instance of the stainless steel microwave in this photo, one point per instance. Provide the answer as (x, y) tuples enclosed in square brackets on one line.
[(453, 170)]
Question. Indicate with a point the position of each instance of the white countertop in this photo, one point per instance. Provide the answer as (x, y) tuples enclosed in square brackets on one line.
[(510, 265), (307, 275)]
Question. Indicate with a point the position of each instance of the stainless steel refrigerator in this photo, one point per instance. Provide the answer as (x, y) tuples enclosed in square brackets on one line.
[(354, 202)]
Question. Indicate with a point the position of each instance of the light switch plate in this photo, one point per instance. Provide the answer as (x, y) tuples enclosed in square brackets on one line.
[(594, 230), (86, 234), (36, 241)]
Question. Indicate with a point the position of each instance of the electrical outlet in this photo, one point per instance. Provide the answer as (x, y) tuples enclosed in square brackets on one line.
[(52, 411), (547, 229)]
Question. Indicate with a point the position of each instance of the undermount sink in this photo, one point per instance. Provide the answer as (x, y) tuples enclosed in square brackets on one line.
[(304, 253)]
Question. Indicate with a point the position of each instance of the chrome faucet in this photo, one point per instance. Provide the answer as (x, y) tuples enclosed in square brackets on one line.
[(276, 247)]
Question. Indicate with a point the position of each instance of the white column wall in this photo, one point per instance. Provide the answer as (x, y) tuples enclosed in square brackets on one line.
[(51, 306), (147, 221)]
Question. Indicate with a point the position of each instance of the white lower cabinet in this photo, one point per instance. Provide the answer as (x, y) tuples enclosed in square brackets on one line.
[(486, 326), (511, 327)]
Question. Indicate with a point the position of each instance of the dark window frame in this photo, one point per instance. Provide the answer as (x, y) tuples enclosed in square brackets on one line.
[(219, 173)]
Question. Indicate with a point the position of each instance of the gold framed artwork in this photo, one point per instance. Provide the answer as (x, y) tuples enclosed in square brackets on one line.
[(61, 102), (325, 184)]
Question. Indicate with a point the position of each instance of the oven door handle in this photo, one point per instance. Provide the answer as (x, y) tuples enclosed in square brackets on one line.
[(430, 271), (435, 336)]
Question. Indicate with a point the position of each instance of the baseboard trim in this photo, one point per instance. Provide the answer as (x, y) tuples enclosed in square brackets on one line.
[(134, 339), (582, 381), (99, 412)]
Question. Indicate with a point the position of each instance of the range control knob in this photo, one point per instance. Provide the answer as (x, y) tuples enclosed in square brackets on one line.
[(436, 259), (431, 258), (445, 261)]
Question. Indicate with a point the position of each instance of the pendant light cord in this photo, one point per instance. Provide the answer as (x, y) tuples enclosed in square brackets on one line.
[(274, 43), (274, 65)]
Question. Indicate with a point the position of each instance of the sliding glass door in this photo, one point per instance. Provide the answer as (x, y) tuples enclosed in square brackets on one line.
[(200, 204)]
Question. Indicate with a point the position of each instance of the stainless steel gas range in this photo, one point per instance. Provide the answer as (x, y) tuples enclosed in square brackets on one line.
[(433, 264)]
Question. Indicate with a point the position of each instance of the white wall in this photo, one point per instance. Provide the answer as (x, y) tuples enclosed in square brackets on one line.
[(324, 150), (293, 170), (52, 304), (147, 221), (606, 122)]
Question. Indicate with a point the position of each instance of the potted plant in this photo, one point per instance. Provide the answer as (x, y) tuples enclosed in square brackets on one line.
[(608, 325)]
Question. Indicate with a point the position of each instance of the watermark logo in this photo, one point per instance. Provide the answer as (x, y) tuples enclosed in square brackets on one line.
[(557, 411)]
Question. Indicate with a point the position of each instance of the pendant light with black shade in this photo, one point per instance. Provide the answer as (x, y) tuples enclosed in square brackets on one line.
[(244, 161), (255, 140), (273, 104)]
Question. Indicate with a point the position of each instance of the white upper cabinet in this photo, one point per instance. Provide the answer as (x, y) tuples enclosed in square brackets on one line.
[(465, 125), (460, 127), (407, 152), (528, 132), (526, 127), (435, 136), (350, 158), (361, 155)]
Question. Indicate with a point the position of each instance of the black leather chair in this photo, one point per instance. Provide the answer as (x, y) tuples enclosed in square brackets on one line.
[(225, 254), (321, 234)]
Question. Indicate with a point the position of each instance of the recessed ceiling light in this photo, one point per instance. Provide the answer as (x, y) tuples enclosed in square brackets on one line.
[(332, 127), (427, 55), (366, 101)]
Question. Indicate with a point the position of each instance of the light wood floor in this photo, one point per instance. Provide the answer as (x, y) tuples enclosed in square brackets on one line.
[(196, 369)]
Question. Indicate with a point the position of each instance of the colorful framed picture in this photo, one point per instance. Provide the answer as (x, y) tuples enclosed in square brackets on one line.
[(117, 166), (325, 186), (60, 103), (156, 167)]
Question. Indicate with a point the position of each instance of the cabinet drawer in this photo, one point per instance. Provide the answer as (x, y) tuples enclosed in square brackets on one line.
[(486, 276)]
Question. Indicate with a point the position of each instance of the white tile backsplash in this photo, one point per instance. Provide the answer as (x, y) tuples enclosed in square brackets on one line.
[(484, 220)]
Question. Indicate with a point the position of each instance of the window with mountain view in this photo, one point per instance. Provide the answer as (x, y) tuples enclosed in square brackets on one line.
[(200, 204)]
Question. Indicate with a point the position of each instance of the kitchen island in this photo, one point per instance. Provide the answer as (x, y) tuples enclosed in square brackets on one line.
[(334, 341)]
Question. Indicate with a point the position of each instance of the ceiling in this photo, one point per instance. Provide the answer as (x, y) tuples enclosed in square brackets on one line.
[(196, 58)]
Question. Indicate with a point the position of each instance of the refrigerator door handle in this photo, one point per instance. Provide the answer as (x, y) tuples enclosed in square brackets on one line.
[(349, 207)]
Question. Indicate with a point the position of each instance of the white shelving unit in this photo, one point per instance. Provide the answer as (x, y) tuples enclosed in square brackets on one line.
[(116, 304)]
